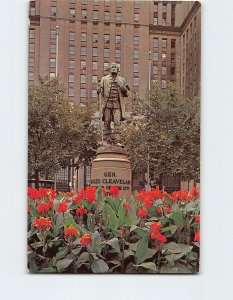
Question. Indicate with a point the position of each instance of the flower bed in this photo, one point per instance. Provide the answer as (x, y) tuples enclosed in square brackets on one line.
[(96, 232)]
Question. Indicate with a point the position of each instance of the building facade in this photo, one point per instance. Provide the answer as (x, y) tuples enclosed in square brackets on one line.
[(76, 40)]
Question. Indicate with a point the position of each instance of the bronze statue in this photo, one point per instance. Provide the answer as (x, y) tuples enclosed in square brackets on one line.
[(112, 91)]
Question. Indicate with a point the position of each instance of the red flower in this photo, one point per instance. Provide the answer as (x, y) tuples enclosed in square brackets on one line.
[(142, 213), (197, 236), (158, 236), (114, 190), (62, 207), (156, 194), (155, 227), (42, 224), (43, 193), (71, 232), (81, 211), (42, 208), (50, 204), (127, 206), (197, 218), (85, 239), (168, 209), (33, 193), (104, 191), (77, 199), (195, 193), (159, 210), (91, 194), (51, 194)]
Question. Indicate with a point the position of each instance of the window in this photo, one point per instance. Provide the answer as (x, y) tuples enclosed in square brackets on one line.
[(155, 43), (71, 64), (84, 1), (135, 54), (94, 79), (83, 37), (94, 94), (136, 4), (135, 81), (52, 62), (94, 65), (164, 56), (52, 75), (155, 70), (107, 2), (84, 14), (31, 76), (136, 68), (136, 17), (83, 50), (173, 14), (31, 48), (164, 70), (106, 16), (94, 52), (32, 10), (95, 38), (96, 2), (118, 17), (164, 43), (83, 65), (83, 78), (173, 70), (118, 3), (164, 6), (155, 6), (118, 53), (52, 34), (31, 62), (72, 1), (71, 77), (118, 39), (32, 33), (106, 38), (106, 66), (136, 40), (106, 52), (173, 57), (164, 19), (71, 36), (71, 92), (71, 49), (155, 56), (53, 11), (95, 15), (72, 13), (83, 93), (173, 43), (164, 84), (155, 20)]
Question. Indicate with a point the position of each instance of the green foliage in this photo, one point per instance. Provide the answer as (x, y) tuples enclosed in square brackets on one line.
[(57, 131), (166, 125), (120, 242)]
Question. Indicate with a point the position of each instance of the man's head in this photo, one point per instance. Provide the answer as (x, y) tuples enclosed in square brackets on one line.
[(114, 68)]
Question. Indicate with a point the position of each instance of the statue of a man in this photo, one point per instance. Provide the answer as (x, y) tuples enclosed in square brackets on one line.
[(112, 91)]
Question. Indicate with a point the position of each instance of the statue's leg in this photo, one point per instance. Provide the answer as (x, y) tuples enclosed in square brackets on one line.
[(107, 125), (117, 125)]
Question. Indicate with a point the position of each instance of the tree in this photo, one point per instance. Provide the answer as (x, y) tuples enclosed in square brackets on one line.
[(57, 131), (167, 127)]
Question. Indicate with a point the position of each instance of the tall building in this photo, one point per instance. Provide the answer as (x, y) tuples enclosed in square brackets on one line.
[(77, 39)]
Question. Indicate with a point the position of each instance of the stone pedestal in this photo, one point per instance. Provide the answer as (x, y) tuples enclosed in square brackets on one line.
[(111, 167)]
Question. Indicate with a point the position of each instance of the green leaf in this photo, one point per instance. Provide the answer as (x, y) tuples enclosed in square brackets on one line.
[(128, 253), (76, 251), (69, 221), (139, 231), (99, 195), (121, 214), (168, 200), (177, 218), (147, 265), (62, 265), (143, 252), (99, 266), (95, 239), (109, 217), (90, 225), (48, 270), (61, 254), (83, 258), (114, 243), (177, 248), (33, 212), (172, 228)]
